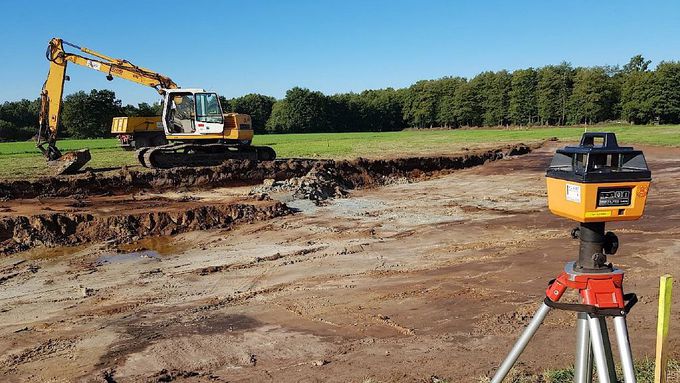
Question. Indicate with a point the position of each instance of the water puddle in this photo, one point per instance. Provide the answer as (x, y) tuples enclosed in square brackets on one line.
[(162, 245), (52, 252), (146, 255)]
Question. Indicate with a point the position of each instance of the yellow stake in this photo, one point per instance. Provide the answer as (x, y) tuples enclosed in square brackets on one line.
[(665, 288)]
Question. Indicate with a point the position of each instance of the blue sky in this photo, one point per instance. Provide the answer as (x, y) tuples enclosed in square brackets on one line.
[(239, 47)]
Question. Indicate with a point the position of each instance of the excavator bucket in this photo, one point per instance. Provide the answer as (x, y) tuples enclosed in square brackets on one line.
[(70, 162)]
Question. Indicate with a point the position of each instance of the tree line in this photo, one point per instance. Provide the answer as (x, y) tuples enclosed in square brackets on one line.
[(549, 95)]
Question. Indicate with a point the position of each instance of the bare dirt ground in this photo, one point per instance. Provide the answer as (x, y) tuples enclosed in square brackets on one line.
[(396, 283)]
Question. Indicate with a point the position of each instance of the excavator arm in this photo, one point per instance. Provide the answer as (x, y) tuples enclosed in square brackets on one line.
[(53, 89)]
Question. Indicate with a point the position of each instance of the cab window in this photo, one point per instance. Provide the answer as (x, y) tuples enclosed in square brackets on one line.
[(208, 108)]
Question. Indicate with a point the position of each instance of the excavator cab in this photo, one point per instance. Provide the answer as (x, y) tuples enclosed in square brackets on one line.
[(192, 112)]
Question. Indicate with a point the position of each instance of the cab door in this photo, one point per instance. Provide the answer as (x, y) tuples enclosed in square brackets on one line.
[(179, 114), (209, 118)]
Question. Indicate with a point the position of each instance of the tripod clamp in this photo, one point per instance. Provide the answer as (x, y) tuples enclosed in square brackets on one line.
[(601, 292), (630, 298)]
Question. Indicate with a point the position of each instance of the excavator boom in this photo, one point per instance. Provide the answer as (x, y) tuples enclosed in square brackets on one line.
[(53, 89)]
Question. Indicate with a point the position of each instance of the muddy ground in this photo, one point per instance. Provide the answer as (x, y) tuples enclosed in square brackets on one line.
[(129, 204), (402, 282)]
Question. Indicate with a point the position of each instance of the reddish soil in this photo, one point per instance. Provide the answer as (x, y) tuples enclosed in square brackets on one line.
[(403, 282), (93, 211), (34, 222)]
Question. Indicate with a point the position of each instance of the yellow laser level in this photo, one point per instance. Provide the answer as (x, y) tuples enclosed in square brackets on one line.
[(598, 181), (595, 182)]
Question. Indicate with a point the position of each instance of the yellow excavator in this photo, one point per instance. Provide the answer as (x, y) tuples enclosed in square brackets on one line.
[(192, 130)]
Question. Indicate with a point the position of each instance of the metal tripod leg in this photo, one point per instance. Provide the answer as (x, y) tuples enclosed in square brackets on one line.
[(608, 349), (521, 344), (583, 367), (601, 349), (624, 349)]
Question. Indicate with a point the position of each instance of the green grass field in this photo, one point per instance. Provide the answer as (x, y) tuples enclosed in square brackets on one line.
[(19, 160)]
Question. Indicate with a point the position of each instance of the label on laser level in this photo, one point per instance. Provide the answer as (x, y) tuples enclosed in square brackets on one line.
[(613, 197), (598, 214), (574, 193)]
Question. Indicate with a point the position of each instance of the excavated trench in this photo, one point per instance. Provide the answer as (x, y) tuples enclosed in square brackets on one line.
[(93, 207), (162, 217)]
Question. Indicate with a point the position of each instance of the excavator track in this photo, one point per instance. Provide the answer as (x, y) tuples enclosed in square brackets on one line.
[(140, 156), (195, 155)]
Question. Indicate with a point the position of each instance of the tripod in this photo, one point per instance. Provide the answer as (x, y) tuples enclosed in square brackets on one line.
[(600, 286)]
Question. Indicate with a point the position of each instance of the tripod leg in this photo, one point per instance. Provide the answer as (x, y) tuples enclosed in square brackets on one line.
[(521, 344), (583, 368), (608, 349), (599, 351), (624, 349)]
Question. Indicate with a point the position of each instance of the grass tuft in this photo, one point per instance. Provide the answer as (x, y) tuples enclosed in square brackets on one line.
[(644, 372)]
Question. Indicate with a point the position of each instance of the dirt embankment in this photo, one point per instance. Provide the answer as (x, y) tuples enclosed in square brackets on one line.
[(355, 173), (105, 208), (22, 232)]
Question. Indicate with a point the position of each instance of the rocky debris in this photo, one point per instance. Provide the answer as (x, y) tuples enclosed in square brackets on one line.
[(107, 376), (18, 233), (165, 375), (321, 183), (86, 291), (333, 179), (353, 173)]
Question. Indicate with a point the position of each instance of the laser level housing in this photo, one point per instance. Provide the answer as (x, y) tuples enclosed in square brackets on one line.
[(598, 181)]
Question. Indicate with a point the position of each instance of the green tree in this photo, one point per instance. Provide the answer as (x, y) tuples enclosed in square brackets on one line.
[(637, 63), (523, 104), (89, 115), (639, 98), (468, 105), (143, 110), (593, 97), (420, 104), (301, 111), (19, 119), (447, 113), (371, 110), (667, 89), (638, 93), (494, 95), (554, 88), (8, 132)]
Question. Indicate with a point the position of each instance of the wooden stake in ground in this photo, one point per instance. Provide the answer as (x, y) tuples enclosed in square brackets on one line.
[(663, 323)]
